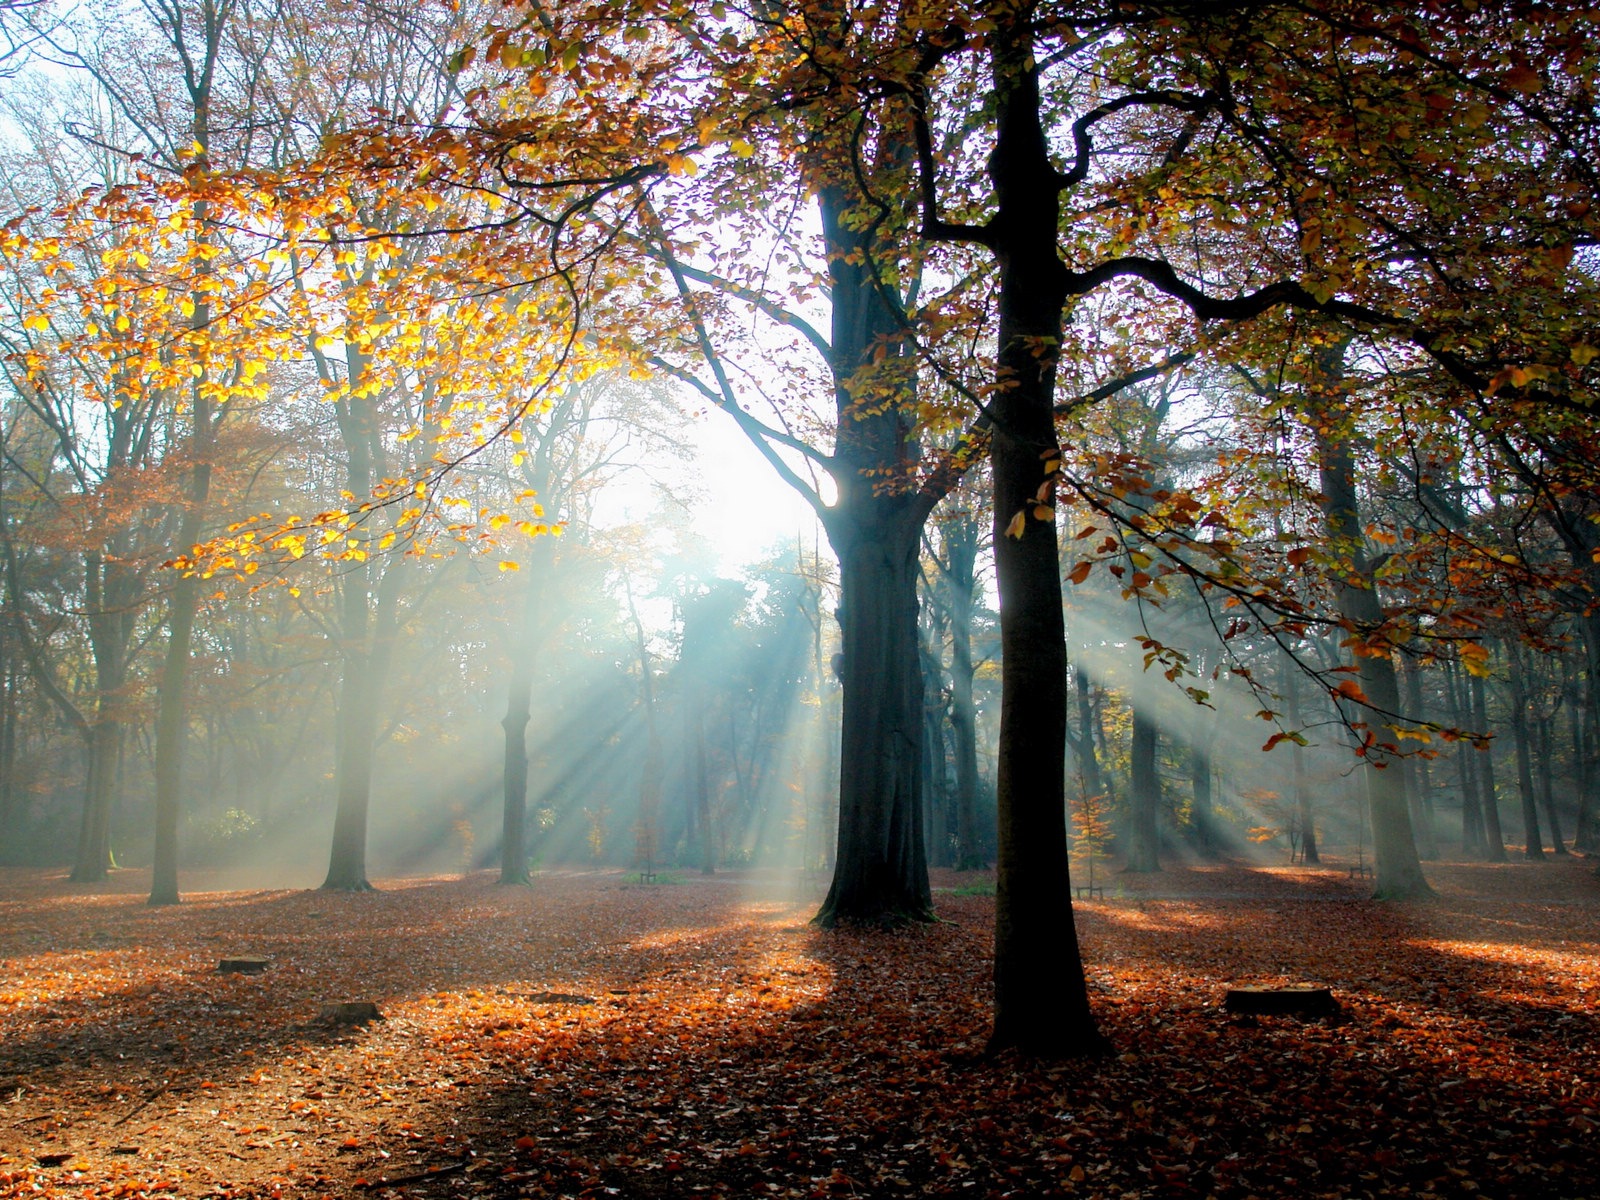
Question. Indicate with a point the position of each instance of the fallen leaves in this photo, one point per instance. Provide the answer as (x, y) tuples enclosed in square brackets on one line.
[(583, 1038)]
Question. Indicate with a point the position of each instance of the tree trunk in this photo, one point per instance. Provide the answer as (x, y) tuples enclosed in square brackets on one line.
[(1474, 841), (1586, 834), (1419, 783), (1041, 996), (519, 712), (1205, 819), (172, 715), (880, 869), (1144, 798), (1085, 742), (963, 712), (1399, 870), (1545, 739), (1494, 837), (1304, 812), (1532, 844)]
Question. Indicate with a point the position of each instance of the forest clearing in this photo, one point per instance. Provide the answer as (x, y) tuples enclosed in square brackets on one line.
[(595, 1036)]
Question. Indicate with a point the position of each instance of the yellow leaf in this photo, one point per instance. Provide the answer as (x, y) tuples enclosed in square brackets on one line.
[(1043, 512), (741, 148), (1014, 529), (508, 565), (1584, 355)]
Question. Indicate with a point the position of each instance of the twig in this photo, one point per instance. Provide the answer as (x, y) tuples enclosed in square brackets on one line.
[(141, 1106), (418, 1177)]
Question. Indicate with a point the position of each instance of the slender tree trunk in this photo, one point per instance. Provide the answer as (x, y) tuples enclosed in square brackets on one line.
[(1494, 837), (1205, 820), (1399, 869), (1546, 780), (1419, 783), (1533, 844), (1304, 810), (172, 714), (1474, 841), (1144, 798), (1085, 742), (1041, 996), (1586, 834), (963, 712), (701, 790), (519, 712)]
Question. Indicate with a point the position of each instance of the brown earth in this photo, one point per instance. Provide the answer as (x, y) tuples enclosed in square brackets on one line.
[(589, 1036)]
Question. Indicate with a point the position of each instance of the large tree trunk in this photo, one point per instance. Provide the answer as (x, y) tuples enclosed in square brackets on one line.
[(1144, 798), (1041, 997), (880, 870)]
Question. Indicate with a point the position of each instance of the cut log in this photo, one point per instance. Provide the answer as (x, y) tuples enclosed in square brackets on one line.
[(243, 964), (1300, 1000), (350, 1012)]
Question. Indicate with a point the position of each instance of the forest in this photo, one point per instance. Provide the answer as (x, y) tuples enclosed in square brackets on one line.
[(936, 497)]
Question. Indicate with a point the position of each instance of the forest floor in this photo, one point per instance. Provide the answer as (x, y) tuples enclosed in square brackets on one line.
[(593, 1036)]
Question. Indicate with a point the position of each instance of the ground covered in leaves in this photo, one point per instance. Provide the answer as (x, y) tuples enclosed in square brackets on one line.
[(594, 1036)]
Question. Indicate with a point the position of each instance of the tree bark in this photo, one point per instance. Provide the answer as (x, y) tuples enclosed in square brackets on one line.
[(1532, 843), (880, 870), (1041, 996), (1419, 783), (961, 546), (1494, 836), (1144, 798), (1300, 797), (1399, 869), (172, 715)]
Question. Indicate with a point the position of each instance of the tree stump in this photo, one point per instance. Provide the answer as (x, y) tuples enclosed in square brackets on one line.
[(243, 964), (1300, 1000), (349, 1012)]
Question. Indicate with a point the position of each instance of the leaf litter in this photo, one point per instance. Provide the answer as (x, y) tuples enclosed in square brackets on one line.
[(586, 1037)]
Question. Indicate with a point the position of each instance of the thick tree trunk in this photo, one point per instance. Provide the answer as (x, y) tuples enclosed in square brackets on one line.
[(1041, 997), (1144, 798), (880, 869)]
